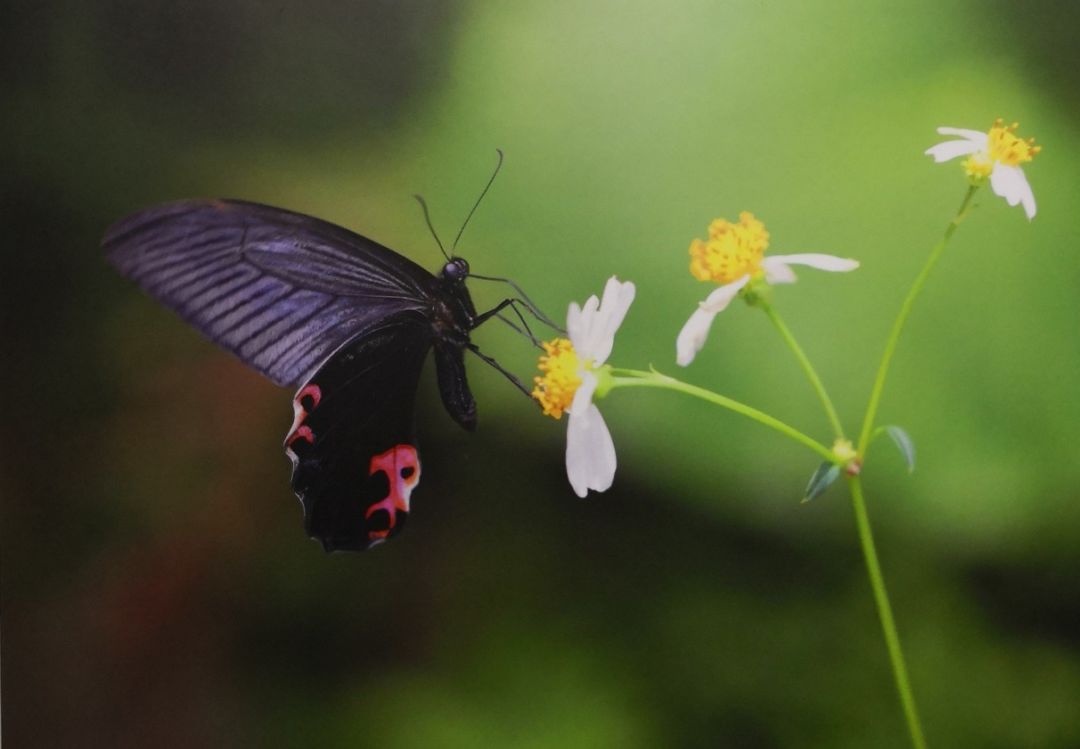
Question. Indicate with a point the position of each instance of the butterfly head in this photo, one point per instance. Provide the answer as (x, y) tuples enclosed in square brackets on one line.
[(456, 270)]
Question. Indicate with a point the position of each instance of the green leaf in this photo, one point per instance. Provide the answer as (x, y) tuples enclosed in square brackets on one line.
[(903, 443), (823, 477)]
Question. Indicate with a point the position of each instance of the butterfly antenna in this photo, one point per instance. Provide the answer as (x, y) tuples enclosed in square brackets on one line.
[(476, 205), (431, 228)]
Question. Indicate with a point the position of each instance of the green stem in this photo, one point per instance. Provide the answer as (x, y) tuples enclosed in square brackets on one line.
[(637, 378), (888, 625), (901, 318), (807, 367)]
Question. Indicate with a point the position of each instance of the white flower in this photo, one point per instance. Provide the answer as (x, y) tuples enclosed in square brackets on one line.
[(998, 155), (570, 381), (734, 255)]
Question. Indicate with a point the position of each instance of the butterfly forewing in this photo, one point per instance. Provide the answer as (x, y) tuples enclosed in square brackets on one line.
[(279, 289)]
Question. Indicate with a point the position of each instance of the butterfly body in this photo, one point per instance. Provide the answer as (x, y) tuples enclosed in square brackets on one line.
[(343, 319)]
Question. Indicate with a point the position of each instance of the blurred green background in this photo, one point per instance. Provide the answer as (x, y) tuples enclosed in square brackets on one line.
[(157, 585)]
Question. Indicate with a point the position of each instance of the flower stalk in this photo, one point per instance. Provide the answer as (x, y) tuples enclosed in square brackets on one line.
[(884, 608), (807, 366), (637, 378), (858, 501), (901, 318)]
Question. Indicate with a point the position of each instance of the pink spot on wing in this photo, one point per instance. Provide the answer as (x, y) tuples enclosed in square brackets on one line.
[(300, 413), (312, 391), (302, 433), (401, 464)]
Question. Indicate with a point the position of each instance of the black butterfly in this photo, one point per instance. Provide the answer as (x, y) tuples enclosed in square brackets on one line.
[(348, 321)]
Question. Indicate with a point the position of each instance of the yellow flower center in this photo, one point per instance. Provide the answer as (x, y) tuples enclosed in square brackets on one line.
[(1004, 146), (560, 365), (978, 166), (731, 251)]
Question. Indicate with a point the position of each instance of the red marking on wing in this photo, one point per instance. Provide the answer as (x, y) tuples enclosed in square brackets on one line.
[(398, 460), (312, 391), (300, 413), (302, 433)]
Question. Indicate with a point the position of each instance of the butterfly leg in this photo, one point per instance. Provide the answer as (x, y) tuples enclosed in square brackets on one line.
[(483, 317), (521, 331), (524, 330), (508, 375), (525, 301), (512, 303)]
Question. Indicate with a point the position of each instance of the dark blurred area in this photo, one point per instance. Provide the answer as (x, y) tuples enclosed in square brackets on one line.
[(156, 586)]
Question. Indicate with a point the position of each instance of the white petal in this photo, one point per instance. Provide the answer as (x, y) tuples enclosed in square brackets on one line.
[(1010, 183), (590, 451), (580, 415), (592, 328), (583, 395), (580, 321), (975, 136), (693, 334), (613, 308), (588, 319), (574, 324), (829, 263), (720, 298), (950, 149), (776, 270), (593, 317), (595, 322)]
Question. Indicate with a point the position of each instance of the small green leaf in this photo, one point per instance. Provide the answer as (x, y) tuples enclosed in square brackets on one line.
[(823, 477), (903, 443)]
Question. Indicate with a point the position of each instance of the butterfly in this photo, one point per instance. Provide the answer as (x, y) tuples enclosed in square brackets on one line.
[(345, 320)]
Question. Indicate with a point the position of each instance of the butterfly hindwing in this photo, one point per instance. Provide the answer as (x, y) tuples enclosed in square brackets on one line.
[(281, 290), (352, 442)]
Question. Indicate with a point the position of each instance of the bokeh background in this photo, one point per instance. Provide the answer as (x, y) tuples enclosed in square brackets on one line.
[(157, 586)]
